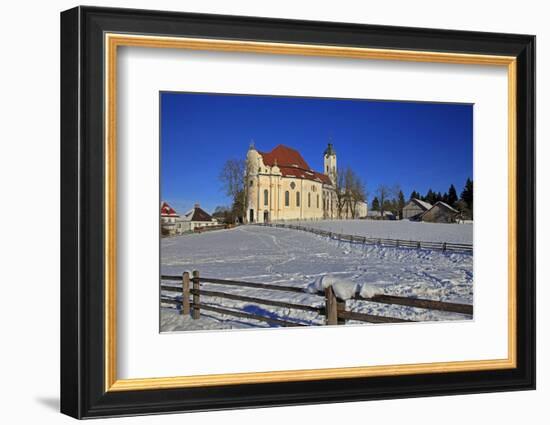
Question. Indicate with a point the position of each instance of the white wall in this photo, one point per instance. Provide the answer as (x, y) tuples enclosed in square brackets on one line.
[(29, 172)]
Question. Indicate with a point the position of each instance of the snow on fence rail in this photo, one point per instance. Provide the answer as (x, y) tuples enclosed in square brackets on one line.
[(334, 308), (399, 243)]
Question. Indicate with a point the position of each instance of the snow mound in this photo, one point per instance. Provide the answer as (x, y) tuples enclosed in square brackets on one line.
[(368, 290), (343, 288)]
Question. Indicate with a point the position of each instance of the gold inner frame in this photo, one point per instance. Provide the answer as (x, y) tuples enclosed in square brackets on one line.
[(113, 41)]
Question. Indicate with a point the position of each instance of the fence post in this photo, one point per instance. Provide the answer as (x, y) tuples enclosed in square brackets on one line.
[(331, 306), (185, 308), (196, 295), (340, 306)]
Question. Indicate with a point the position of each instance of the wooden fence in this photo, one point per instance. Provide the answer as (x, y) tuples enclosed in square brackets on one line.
[(201, 229), (330, 306), (398, 243)]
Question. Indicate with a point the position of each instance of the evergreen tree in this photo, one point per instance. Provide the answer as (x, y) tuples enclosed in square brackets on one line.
[(400, 203), (389, 205), (465, 212), (414, 194), (375, 204), (452, 197), (430, 197), (467, 194)]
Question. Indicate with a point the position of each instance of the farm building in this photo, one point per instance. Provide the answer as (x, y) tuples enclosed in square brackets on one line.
[(415, 208), (441, 213), (195, 218)]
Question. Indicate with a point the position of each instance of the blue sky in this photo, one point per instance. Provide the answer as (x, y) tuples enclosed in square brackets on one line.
[(413, 144)]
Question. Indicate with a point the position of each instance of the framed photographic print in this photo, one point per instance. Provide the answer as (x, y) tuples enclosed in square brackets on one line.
[(261, 212)]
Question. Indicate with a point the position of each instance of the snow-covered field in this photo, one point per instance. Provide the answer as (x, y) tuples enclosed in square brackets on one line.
[(398, 229), (300, 259)]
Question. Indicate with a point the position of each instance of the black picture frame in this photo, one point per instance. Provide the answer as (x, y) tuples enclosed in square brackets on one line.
[(83, 392)]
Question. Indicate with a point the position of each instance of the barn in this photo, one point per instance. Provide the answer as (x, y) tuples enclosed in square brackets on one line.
[(196, 218), (415, 208), (441, 213)]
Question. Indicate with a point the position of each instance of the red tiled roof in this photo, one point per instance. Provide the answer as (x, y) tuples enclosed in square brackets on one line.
[(292, 164), (285, 157), (323, 177), (166, 209)]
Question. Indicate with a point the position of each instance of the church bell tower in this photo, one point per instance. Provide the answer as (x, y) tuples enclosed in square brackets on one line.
[(330, 163)]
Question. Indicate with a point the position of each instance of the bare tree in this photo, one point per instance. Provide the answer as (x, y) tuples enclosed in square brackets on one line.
[(389, 198), (383, 193), (340, 193), (395, 191), (355, 191), (233, 177), (350, 190)]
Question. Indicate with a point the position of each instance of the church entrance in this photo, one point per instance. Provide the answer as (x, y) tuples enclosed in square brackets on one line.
[(266, 216), (251, 220)]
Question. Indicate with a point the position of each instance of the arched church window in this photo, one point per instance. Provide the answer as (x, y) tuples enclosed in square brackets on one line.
[(297, 199), (287, 198), (317, 200), (309, 200), (266, 197)]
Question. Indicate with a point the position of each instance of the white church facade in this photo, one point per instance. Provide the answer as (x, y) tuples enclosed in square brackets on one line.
[(281, 186)]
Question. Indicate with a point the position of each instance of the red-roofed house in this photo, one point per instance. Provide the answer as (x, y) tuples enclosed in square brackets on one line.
[(168, 217), (282, 186)]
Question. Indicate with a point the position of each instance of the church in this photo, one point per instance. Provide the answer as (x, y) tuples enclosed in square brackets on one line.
[(280, 185)]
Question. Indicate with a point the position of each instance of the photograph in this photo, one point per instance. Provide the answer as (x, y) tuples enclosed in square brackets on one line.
[(287, 211)]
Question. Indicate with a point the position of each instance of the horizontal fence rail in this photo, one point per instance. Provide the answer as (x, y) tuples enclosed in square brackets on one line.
[(398, 243), (200, 229), (274, 303), (241, 314), (334, 309), (252, 285), (197, 229), (421, 303), (371, 318)]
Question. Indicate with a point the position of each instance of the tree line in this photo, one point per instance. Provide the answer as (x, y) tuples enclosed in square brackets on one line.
[(392, 199)]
